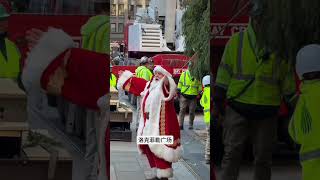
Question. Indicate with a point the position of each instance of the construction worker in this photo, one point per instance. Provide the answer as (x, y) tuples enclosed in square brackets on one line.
[(304, 127), (10, 55), (113, 78), (205, 103), (253, 82), (95, 32), (144, 71), (189, 89)]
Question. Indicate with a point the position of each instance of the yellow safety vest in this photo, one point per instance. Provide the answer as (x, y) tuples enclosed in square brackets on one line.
[(113, 80), (304, 128), (10, 67), (144, 72), (95, 34), (189, 85), (242, 64), (205, 103)]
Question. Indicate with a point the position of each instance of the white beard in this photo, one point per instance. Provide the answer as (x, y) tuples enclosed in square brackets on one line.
[(155, 84)]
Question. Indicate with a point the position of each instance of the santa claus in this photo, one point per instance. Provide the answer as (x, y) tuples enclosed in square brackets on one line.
[(77, 81), (158, 118)]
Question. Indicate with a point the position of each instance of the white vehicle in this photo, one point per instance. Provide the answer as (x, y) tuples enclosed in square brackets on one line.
[(157, 28)]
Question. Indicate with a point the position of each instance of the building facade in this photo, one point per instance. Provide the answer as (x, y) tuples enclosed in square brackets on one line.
[(121, 11)]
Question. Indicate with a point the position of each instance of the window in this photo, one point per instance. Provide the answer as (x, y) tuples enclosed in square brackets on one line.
[(113, 27), (147, 3), (113, 10), (131, 8), (121, 9), (131, 12), (120, 27), (139, 6)]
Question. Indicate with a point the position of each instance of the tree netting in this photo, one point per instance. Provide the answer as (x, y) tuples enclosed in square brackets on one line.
[(196, 28), (288, 25)]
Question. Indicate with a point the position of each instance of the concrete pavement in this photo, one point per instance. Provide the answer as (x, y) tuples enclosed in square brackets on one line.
[(127, 164), (279, 172), (193, 144)]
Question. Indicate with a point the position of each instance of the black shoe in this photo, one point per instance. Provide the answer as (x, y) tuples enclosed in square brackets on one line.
[(190, 127), (207, 161), (181, 127)]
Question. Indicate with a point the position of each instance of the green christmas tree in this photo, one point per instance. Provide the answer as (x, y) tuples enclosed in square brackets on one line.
[(196, 28), (288, 25)]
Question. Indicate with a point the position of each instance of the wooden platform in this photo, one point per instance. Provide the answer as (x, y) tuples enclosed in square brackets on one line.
[(9, 89), (113, 94), (121, 115), (36, 163), (12, 129), (116, 135), (13, 101), (40, 153)]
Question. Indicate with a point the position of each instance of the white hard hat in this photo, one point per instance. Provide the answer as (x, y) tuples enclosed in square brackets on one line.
[(144, 59), (308, 59), (206, 80)]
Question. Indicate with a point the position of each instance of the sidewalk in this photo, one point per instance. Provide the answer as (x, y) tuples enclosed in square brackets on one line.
[(193, 144), (126, 164)]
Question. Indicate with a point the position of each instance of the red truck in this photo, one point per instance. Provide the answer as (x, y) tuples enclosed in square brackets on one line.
[(229, 18), (173, 63)]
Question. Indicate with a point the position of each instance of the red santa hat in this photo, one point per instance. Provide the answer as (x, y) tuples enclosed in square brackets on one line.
[(162, 70), (51, 44)]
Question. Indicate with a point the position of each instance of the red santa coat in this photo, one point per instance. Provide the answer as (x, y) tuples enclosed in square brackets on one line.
[(163, 121)]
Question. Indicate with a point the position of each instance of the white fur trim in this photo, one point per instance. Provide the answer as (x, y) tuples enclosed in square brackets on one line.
[(167, 153), (50, 45), (162, 71), (123, 78), (165, 173), (173, 89), (151, 127)]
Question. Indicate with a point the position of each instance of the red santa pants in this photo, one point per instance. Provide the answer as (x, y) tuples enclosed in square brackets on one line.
[(154, 161)]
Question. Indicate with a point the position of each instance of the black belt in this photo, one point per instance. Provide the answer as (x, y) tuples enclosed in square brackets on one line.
[(146, 115)]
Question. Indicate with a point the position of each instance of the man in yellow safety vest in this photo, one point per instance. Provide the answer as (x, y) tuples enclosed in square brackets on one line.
[(113, 78), (205, 103), (144, 71), (10, 55), (189, 88), (253, 82), (304, 127), (95, 33)]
